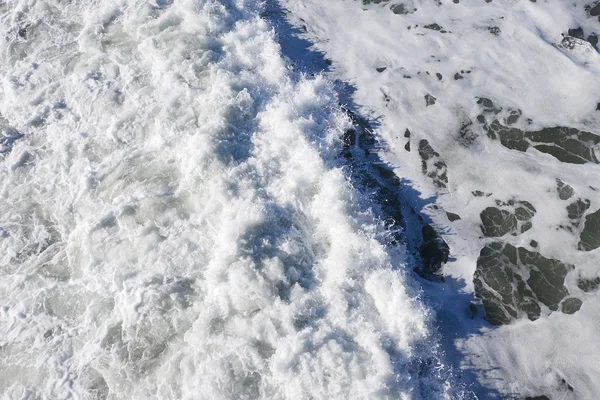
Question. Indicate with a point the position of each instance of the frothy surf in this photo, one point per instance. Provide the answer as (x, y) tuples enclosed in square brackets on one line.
[(491, 111), (174, 221)]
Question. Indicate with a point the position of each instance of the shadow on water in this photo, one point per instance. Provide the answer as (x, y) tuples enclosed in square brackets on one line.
[(402, 209)]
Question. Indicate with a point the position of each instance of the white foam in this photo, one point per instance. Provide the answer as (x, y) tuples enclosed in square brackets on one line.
[(523, 67), (172, 225)]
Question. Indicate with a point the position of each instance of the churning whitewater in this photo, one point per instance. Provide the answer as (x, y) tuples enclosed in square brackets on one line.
[(176, 222)]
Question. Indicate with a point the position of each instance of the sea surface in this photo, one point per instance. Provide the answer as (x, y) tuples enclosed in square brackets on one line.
[(299, 199)]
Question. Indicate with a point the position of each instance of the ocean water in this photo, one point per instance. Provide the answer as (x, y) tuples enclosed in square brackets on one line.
[(489, 114), (299, 199), (177, 221)]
